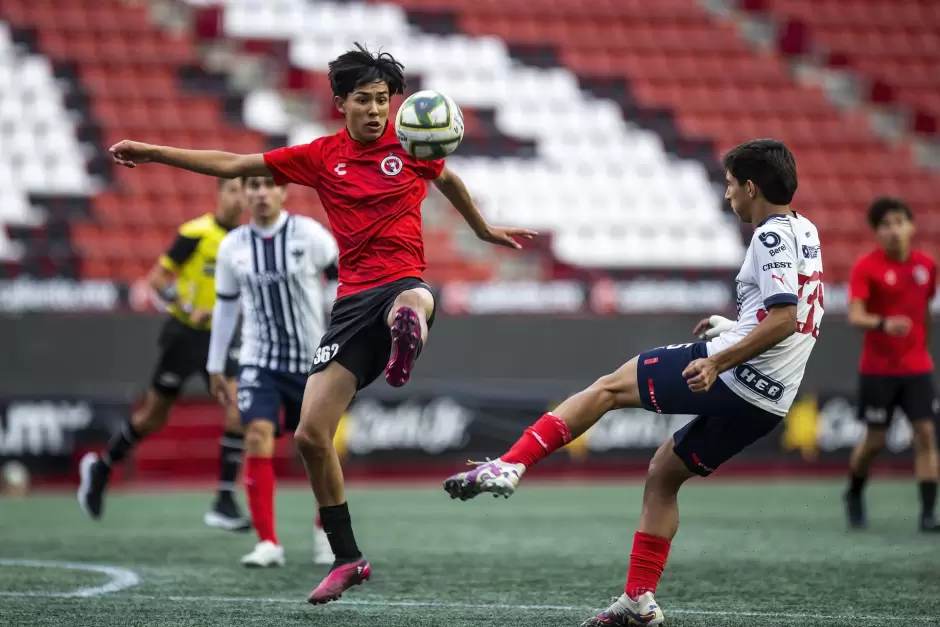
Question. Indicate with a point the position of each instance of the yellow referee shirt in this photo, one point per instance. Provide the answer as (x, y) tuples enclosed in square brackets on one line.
[(192, 259)]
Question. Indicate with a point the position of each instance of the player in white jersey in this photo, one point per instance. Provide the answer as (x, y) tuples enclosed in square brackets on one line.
[(277, 267), (739, 385)]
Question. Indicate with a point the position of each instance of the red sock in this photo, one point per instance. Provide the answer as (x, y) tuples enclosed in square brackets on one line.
[(546, 436), (646, 563), (259, 483)]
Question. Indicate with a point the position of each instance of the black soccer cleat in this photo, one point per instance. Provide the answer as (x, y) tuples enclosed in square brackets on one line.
[(227, 515), (929, 524), (855, 511), (93, 474)]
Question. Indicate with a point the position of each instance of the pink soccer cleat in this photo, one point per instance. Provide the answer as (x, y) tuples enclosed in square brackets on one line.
[(340, 579), (406, 337)]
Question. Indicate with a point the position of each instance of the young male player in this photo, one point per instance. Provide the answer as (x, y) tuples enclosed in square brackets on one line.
[(275, 267), (184, 279), (740, 384), (372, 192), (889, 297)]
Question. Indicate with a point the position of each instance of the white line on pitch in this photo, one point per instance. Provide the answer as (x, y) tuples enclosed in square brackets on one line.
[(121, 579)]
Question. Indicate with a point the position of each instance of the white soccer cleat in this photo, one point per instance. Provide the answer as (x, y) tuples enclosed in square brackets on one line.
[(625, 612), (322, 551), (266, 555), (497, 477)]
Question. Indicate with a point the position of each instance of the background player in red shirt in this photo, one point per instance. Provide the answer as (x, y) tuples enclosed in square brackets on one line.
[(372, 190), (889, 296)]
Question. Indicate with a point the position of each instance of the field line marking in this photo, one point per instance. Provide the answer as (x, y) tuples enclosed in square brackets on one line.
[(523, 607), (121, 579)]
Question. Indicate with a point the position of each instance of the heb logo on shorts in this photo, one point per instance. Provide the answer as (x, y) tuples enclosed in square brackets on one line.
[(758, 382)]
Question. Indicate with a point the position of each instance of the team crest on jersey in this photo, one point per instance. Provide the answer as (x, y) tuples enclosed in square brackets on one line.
[(391, 165), (891, 277), (921, 275)]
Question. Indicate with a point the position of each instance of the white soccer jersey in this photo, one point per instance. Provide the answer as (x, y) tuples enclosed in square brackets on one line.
[(783, 264), (277, 273)]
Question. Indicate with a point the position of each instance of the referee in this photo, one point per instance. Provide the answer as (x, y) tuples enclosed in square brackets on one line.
[(184, 279)]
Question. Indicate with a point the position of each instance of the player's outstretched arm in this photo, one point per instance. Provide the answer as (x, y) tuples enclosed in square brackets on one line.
[(228, 165), (778, 325), (456, 192)]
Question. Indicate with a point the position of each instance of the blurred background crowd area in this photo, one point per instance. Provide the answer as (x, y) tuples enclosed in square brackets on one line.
[(600, 123)]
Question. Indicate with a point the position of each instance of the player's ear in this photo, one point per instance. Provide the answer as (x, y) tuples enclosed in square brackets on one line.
[(340, 104), (751, 189)]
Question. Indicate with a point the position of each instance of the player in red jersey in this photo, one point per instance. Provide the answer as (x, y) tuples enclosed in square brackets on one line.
[(889, 297), (372, 191)]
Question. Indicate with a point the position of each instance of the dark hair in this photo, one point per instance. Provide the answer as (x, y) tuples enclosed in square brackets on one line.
[(767, 163), (360, 67), (882, 206), (221, 181)]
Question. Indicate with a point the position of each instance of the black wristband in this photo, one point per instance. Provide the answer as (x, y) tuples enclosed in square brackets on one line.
[(881, 324)]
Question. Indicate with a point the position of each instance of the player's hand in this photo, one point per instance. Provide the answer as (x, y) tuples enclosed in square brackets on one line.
[(218, 388), (897, 326), (200, 316), (701, 374), (505, 236), (131, 154), (712, 327)]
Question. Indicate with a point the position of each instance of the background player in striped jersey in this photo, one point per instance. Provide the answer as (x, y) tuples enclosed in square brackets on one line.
[(372, 191), (184, 279), (274, 266), (890, 290), (739, 385)]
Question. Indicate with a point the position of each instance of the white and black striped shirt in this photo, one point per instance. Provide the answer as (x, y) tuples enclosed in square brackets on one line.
[(278, 275)]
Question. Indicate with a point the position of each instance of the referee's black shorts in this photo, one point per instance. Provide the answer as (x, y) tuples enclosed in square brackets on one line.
[(880, 396), (183, 353)]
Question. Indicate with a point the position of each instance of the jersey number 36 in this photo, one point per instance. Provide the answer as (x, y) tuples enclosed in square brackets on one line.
[(325, 353)]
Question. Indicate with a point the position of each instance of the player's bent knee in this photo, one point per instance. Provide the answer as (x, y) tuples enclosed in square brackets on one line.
[(667, 468), (313, 438)]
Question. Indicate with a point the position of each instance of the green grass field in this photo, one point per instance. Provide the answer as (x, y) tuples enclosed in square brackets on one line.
[(747, 554)]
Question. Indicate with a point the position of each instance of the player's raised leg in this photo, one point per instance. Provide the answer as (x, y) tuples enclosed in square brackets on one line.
[(327, 395), (551, 432), (260, 486), (225, 513), (408, 323), (94, 472)]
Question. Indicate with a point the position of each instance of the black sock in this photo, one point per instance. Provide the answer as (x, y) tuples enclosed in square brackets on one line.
[(338, 528), (857, 484), (928, 497), (121, 442), (232, 446)]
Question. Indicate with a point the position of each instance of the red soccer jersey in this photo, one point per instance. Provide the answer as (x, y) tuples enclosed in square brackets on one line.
[(895, 288), (372, 195)]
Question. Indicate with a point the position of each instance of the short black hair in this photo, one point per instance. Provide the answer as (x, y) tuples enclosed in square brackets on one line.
[(360, 67), (883, 205), (769, 164), (221, 181)]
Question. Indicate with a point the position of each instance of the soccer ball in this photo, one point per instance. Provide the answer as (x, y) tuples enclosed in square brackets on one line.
[(429, 125)]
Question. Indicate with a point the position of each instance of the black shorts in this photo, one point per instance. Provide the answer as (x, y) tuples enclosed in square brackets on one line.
[(879, 396), (262, 393), (183, 353), (358, 337), (724, 424)]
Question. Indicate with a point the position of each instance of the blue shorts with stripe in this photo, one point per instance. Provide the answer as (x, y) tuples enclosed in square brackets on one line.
[(263, 393), (724, 423)]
